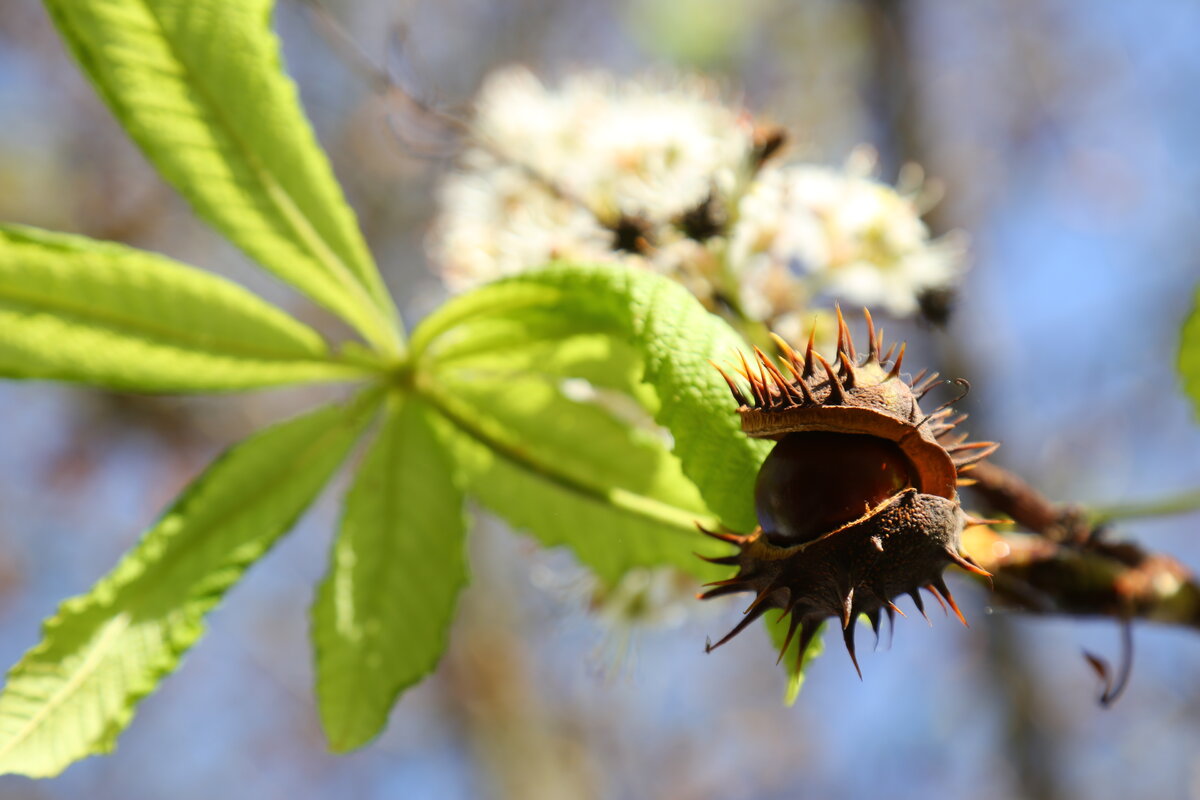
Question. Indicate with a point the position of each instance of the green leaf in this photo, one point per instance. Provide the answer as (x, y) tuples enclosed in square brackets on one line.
[(793, 662), (198, 85), (571, 472), (1189, 355), (72, 694), (383, 612), (664, 328), (79, 310), (542, 342)]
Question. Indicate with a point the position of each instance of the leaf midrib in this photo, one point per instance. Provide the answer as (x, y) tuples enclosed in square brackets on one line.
[(318, 248), (626, 501), (350, 416), (91, 662)]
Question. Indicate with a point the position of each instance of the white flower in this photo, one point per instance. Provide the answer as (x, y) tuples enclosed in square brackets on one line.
[(661, 176), (647, 149), (552, 174), (806, 230), (497, 223)]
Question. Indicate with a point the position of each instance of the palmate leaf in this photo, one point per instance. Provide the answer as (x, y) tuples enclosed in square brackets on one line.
[(659, 323), (72, 694), (1189, 355), (198, 85), (382, 613), (79, 310)]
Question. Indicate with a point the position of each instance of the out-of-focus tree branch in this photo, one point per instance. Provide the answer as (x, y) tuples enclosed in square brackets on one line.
[(1068, 564)]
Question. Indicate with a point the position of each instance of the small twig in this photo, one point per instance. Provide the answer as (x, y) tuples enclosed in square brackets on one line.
[(1183, 503), (1010, 494), (348, 49), (1071, 566), (380, 80)]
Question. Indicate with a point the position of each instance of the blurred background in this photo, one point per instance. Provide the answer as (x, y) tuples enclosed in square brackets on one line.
[(1064, 133)]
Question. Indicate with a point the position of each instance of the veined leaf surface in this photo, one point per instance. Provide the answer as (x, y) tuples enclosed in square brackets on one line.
[(79, 310), (570, 472), (73, 693), (382, 613), (670, 334), (198, 84)]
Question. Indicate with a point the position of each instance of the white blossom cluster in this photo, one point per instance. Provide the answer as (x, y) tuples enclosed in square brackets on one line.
[(806, 231), (662, 175), (595, 171)]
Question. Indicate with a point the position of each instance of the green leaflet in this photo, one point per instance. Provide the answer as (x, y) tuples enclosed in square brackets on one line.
[(500, 346), (198, 85), (538, 340), (777, 629), (572, 473), (383, 612), (72, 694), (79, 310), (665, 328), (1189, 355)]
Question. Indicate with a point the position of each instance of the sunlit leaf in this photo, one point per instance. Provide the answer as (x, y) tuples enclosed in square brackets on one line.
[(198, 85), (791, 661), (72, 694), (662, 326), (571, 472), (79, 310), (382, 613), (541, 342)]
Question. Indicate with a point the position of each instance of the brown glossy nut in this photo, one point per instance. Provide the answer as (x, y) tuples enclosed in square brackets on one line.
[(802, 492)]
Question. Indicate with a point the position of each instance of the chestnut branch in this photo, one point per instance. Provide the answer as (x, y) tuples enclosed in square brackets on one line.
[(1068, 564)]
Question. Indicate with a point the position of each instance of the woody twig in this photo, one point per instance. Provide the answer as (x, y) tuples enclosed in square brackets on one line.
[(1067, 564)]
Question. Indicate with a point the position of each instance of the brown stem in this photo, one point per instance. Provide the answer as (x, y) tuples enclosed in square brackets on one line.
[(1070, 566), (1009, 493)]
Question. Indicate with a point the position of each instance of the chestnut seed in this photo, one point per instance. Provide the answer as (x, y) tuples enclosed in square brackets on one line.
[(814, 482)]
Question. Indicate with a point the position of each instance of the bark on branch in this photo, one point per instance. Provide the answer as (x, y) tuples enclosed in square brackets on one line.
[(1067, 565)]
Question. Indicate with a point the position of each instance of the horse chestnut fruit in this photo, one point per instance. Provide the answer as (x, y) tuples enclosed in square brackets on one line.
[(858, 502)]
